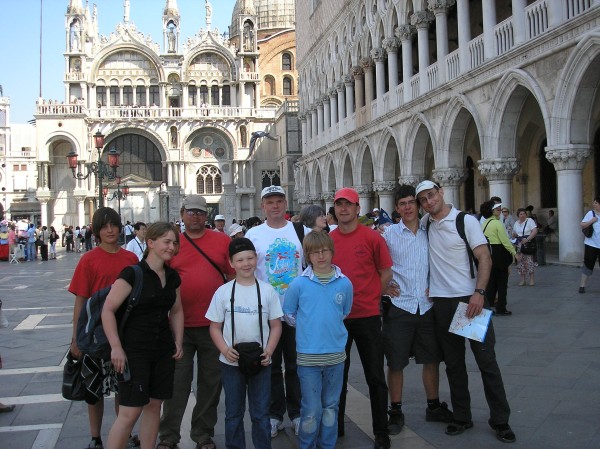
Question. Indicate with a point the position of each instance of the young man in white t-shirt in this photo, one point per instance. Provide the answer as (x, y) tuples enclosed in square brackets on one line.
[(280, 259), (450, 282)]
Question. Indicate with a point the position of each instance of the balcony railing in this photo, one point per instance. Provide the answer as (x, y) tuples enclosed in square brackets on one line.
[(144, 113), (505, 40)]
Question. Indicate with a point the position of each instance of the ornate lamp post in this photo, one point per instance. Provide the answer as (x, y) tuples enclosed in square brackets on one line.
[(100, 169), (119, 194)]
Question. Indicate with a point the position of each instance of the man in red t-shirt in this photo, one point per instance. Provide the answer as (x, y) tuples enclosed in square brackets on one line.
[(97, 269), (363, 256), (199, 281)]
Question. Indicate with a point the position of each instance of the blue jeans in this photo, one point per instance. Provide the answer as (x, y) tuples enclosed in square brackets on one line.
[(259, 395), (321, 388), (31, 250)]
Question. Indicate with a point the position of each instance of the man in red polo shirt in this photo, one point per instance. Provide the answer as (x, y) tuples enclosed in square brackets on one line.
[(363, 257)]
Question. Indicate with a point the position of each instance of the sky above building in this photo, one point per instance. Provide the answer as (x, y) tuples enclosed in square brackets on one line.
[(20, 41)]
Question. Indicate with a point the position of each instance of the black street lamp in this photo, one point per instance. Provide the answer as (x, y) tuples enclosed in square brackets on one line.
[(100, 169), (119, 194)]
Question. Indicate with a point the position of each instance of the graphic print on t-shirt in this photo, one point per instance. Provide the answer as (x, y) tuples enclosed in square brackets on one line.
[(281, 263)]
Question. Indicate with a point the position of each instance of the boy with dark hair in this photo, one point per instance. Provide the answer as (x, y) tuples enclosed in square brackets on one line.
[(245, 310), (97, 269)]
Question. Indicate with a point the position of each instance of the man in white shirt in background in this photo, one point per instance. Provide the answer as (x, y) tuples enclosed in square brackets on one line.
[(138, 244)]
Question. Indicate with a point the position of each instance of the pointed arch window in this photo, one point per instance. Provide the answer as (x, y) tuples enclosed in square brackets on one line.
[(209, 181)]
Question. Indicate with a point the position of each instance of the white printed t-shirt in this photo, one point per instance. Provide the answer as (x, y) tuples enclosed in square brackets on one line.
[(280, 255)]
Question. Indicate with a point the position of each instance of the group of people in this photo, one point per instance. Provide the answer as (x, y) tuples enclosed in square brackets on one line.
[(286, 295)]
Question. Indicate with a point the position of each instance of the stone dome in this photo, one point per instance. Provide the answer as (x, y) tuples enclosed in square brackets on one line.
[(272, 14)]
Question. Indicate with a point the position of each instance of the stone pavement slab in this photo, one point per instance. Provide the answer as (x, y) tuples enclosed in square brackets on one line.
[(548, 352)]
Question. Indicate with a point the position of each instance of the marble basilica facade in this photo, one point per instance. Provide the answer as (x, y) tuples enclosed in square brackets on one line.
[(486, 97), (180, 112)]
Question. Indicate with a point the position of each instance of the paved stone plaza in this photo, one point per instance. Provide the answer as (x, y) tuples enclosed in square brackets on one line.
[(548, 350)]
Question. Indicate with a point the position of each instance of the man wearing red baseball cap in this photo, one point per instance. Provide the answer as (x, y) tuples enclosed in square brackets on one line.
[(363, 257)]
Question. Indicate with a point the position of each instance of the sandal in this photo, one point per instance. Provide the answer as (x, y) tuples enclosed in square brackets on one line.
[(206, 444), (456, 428), (166, 445)]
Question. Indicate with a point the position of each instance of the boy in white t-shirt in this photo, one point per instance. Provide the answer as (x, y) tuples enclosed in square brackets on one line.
[(250, 299)]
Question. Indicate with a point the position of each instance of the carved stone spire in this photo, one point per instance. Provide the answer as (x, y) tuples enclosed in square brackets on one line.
[(75, 7), (171, 9)]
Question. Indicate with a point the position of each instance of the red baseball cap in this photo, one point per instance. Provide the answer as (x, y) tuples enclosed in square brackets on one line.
[(347, 194)]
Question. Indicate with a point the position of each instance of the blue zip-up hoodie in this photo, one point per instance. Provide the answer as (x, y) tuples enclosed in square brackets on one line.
[(319, 311)]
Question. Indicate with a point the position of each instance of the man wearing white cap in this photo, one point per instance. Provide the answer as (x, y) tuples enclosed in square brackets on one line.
[(451, 281), (279, 248), (220, 223)]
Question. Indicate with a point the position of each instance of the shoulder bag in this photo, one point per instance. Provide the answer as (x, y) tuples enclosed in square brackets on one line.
[(527, 248), (249, 362), (589, 231), (206, 257)]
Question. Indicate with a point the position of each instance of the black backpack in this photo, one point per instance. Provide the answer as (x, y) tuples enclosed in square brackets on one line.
[(91, 339), (460, 228)]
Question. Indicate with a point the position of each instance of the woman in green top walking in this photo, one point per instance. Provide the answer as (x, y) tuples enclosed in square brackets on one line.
[(503, 254)]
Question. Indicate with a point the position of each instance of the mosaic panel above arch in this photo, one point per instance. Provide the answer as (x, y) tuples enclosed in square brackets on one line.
[(210, 143)]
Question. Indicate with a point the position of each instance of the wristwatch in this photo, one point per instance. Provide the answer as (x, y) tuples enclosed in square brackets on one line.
[(480, 291)]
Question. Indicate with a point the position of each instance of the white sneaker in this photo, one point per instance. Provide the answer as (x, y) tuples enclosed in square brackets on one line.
[(276, 426), (296, 423)]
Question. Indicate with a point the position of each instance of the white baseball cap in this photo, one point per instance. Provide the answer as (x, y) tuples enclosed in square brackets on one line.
[(220, 217)]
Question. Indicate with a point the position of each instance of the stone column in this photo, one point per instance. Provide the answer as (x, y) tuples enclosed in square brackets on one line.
[(391, 45), (364, 198), (489, 22), (251, 204), (182, 171), (450, 180), (233, 95), (464, 34), (385, 190), (326, 112), (421, 20), (320, 116), (367, 66), (499, 173), (327, 197), (80, 209), (347, 80), (569, 160), (378, 55), (405, 33), (238, 206), (44, 206), (314, 118), (341, 100), (243, 102), (309, 128), (333, 111), (357, 73), (303, 126), (409, 180), (440, 9), (519, 20)]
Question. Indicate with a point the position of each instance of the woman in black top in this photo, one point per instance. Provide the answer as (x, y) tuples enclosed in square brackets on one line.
[(144, 356)]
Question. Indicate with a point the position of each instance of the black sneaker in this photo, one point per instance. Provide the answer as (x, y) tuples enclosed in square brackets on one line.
[(382, 442), (440, 414), (396, 421), (503, 432)]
